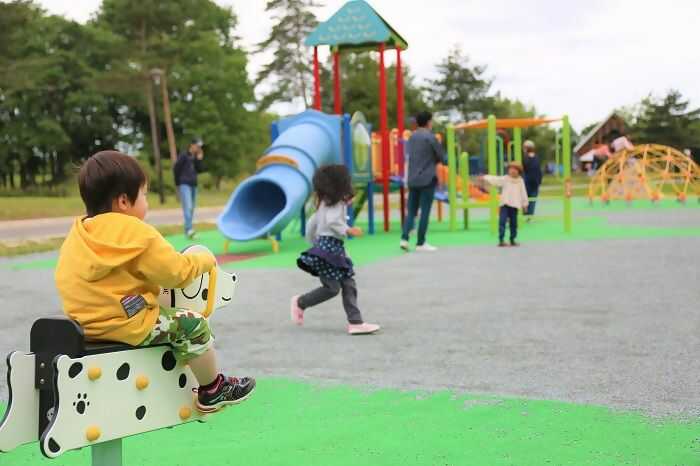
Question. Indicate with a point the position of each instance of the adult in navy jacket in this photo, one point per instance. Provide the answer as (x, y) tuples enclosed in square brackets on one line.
[(188, 165)]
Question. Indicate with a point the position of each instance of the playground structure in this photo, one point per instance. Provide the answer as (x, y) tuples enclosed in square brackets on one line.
[(264, 205), (648, 171), (267, 202), (459, 186), (358, 27), (68, 394)]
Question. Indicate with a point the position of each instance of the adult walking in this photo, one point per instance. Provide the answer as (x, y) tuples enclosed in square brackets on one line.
[(532, 166), (424, 153), (188, 165)]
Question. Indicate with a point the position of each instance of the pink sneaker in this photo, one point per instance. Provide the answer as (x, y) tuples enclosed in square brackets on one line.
[(362, 329), (297, 312)]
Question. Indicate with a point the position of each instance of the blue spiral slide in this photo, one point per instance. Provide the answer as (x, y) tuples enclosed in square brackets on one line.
[(265, 203)]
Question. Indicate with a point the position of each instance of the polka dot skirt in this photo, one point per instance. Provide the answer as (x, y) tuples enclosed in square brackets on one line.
[(327, 259)]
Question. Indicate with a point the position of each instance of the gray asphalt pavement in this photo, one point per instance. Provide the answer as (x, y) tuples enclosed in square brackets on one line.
[(611, 322)]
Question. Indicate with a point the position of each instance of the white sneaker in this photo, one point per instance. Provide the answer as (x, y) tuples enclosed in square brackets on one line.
[(426, 248), (404, 245), (362, 329)]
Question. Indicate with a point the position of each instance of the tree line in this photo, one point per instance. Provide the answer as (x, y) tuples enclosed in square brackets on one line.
[(68, 90)]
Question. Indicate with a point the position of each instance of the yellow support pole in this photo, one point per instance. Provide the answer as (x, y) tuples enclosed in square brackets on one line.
[(275, 244)]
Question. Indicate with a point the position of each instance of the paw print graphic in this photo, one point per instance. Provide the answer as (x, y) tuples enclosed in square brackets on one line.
[(82, 403)]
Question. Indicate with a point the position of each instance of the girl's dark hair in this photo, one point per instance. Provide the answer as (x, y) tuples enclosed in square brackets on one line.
[(107, 175), (332, 184)]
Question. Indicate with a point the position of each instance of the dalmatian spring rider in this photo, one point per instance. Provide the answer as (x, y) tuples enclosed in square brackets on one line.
[(69, 393)]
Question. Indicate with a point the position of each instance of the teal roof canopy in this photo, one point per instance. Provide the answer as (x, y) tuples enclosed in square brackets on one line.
[(356, 26)]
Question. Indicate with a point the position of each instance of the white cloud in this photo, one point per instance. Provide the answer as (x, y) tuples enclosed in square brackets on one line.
[(582, 57)]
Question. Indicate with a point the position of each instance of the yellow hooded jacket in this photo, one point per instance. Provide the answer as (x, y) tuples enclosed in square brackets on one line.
[(114, 256)]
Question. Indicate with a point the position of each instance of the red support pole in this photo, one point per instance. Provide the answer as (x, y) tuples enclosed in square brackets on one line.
[(337, 99), (317, 82), (384, 131), (400, 126)]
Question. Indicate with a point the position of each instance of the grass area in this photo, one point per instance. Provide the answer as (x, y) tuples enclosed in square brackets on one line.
[(292, 422), (546, 227), (30, 247), (52, 244), (16, 208)]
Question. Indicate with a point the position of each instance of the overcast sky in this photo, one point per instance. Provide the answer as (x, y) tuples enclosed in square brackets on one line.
[(581, 57)]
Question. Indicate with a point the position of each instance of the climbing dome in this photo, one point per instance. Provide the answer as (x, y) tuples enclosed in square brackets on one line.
[(649, 171)]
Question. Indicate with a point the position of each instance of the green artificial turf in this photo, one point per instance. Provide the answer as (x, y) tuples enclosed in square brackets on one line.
[(290, 422), (590, 223)]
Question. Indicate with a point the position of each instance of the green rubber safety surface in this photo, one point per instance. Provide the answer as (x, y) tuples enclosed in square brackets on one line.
[(591, 223), (291, 422)]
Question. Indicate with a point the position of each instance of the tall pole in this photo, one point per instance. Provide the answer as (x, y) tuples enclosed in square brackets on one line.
[(168, 118), (566, 160), (317, 82), (518, 145), (384, 131), (492, 171), (400, 126), (337, 98), (452, 177), (154, 138)]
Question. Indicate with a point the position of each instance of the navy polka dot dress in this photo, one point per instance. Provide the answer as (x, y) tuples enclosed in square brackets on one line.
[(327, 258)]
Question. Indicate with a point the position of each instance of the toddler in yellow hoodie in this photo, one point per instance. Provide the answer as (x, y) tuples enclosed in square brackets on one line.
[(111, 268)]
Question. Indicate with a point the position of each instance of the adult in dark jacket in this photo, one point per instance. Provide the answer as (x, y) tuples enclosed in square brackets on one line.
[(188, 164), (532, 173), (424, 152)]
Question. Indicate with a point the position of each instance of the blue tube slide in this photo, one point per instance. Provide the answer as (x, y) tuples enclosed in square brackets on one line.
[(265, 203)]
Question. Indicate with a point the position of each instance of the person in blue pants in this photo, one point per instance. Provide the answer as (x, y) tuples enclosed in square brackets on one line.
[(532, 167), (424, 152), (188, 165)]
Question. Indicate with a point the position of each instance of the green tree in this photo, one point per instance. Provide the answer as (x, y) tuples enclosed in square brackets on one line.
[(667, 120), (210, 93), (288, 74), (460, 87), (50, 112)]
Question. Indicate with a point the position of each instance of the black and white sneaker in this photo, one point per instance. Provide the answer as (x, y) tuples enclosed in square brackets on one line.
[(225, 391)]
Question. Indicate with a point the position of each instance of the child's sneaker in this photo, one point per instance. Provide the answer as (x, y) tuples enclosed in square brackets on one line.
[(426, 248), (362, 329), (225, 391), (514, 243), (404, 245), (296, 311), (502, 244)]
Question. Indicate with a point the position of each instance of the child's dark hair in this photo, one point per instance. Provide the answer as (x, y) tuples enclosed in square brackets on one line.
[(332, 184), (107, 175)]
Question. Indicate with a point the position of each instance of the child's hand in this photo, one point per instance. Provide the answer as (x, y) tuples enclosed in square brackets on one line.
[(355, 231)]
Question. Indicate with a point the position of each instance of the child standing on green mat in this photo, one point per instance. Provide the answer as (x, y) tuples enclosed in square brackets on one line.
[(513, 197)]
